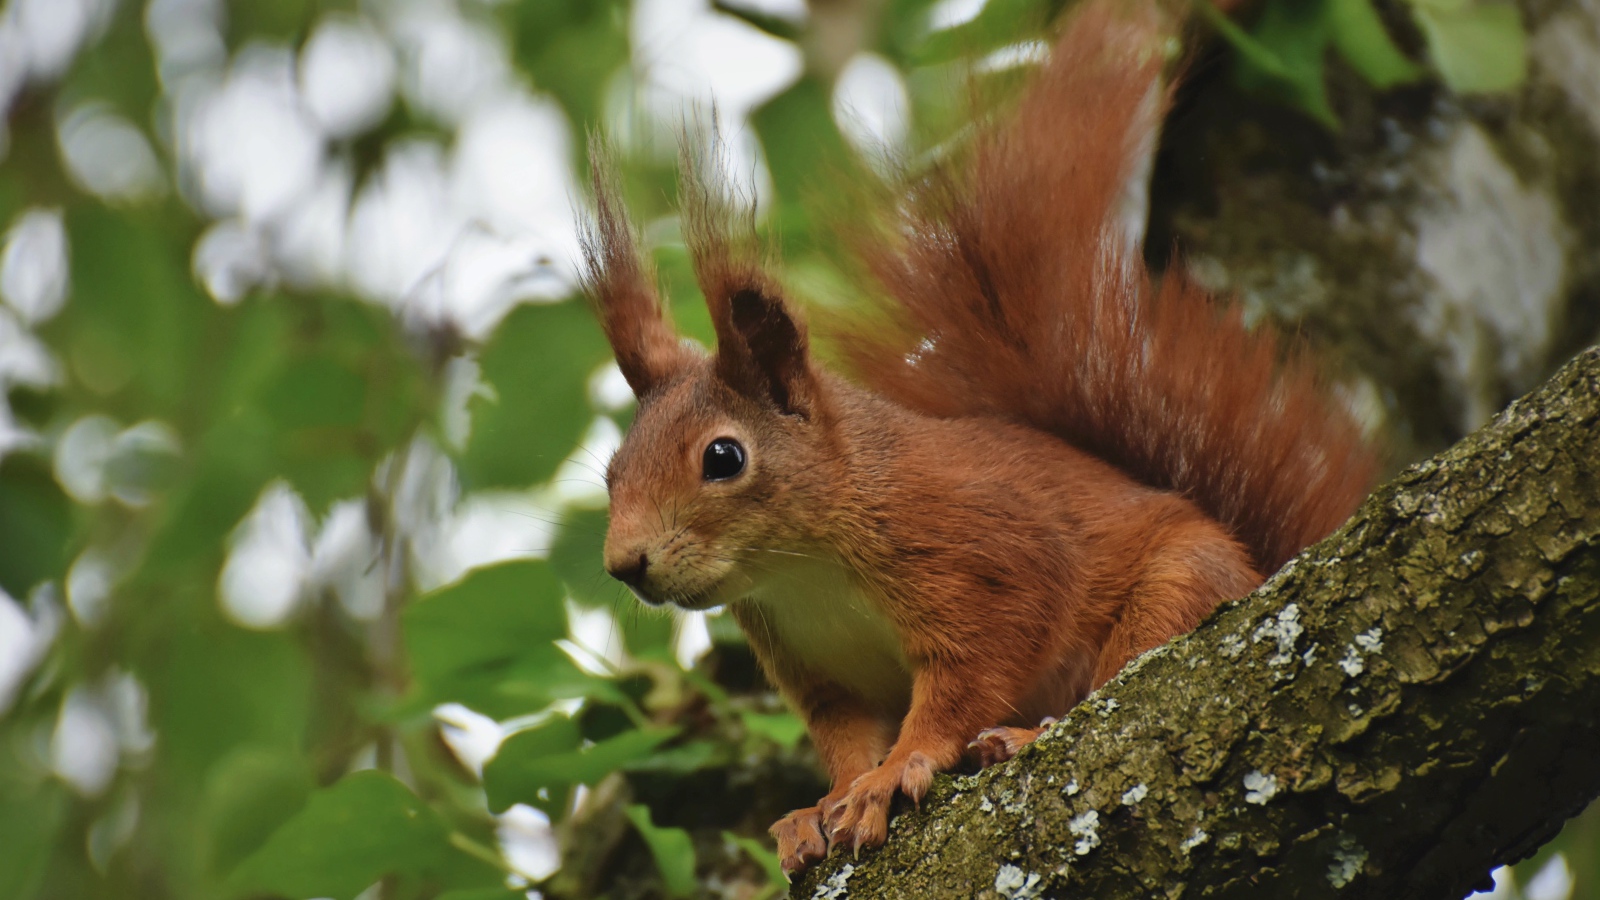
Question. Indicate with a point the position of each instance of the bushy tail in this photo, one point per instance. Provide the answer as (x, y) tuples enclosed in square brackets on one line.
[(1018, 294)]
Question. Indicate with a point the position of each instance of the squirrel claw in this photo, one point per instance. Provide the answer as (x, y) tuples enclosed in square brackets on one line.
[(832, 815), (997, 745), (861, 817), (800, 839)]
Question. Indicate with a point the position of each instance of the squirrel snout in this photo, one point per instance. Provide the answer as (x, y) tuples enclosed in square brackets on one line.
[(629, 568)]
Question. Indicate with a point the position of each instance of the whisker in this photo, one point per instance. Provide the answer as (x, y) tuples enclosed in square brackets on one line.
[(782, 552), (578, 462), (518, 512), (564, 524), (604, 463)]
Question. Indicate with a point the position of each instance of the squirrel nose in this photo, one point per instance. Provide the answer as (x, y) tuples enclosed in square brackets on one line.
[(629, 570)]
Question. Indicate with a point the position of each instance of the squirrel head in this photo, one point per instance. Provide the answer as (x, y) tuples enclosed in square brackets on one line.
[(728, 464)]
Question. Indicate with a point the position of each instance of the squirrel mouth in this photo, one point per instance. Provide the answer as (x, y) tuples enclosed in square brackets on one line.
[(694, 601), (700, 600), (643, 597)]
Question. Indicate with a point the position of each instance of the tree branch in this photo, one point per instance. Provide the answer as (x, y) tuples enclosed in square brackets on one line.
[(1408, 704)]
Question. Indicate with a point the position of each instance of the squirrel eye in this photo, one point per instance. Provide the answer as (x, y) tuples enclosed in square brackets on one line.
[(724, 459)]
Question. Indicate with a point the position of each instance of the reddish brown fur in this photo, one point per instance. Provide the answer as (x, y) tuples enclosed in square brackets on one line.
[(920, 564), (621, 285), (1014, 268)]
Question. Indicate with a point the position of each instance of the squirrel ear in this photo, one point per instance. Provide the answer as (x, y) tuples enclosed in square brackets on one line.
[(621, 285), (764, 353), (761, 345)]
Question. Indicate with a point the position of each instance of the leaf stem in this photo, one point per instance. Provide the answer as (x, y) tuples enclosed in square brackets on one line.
[(479, 852)]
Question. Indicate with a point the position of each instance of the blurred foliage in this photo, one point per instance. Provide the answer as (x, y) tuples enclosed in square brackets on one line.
[(1474, 46), (302, 759), (508, 446), (673, 852)]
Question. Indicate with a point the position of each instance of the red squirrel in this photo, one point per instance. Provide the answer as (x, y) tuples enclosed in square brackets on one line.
[(1047, 463)]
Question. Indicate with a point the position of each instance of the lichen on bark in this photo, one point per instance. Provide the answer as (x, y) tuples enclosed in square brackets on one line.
[(1404, 706)]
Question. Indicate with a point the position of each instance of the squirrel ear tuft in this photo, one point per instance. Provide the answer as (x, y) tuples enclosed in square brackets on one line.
[(621, 285), (765, 353), (761, 344)]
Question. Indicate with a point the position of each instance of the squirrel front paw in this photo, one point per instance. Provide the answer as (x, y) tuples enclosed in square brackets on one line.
[(861, 817), (800, 839)]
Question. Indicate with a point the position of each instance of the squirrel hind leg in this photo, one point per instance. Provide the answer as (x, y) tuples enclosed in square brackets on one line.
[(1185, 578)]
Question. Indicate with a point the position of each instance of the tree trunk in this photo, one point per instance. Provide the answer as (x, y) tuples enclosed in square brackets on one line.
[(1408, 704), (1443, 246)]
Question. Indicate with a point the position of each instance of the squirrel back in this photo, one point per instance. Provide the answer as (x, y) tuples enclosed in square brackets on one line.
[(1017, 294)]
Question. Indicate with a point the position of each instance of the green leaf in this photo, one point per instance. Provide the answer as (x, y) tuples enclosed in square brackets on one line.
[(784, 729), (1249, 49), (1477, 47), (801, 142), (524, 764), (31, 815), (576, 558), (315, 392), (692, 756), (776, 26), (998, 24), (539, 686), (498, 625), (672, 849), (1365, 44), (715, 693), (214, 687), (903, 29), (311, 389), (494, 614), (35, 524), (284, 19), (233, 466), (764, 856), (538, 362), (136, 327), (557, 734), (248, 794), (571, 48), (348, 836), (345, 391), (474, 863), (1283, 56), (119, 70)]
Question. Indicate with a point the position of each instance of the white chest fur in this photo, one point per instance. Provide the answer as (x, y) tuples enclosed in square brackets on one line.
[(816, 612)]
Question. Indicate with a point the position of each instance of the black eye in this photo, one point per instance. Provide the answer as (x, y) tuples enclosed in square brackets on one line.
[(724, 459)]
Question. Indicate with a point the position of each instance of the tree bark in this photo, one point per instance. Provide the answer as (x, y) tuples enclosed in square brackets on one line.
[(1408, 704), (1442, 245)]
